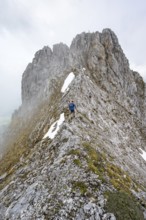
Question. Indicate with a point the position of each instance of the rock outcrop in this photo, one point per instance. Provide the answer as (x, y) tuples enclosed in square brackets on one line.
[(47, 65), (93, 168)]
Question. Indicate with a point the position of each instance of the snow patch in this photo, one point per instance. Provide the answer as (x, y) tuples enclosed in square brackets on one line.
[(143, 154), (3, 176), (54, 127), (67, 81)]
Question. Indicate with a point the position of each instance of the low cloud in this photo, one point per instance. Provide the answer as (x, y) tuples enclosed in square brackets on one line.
[(28, 25), (141, 69)]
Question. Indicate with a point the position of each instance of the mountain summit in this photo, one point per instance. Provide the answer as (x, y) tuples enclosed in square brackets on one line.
[(91, 166)]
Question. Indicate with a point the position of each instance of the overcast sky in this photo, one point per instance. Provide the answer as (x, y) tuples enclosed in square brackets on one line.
[(28, 25)]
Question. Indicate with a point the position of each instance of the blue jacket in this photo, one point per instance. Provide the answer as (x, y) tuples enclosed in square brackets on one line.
[(72, 106)]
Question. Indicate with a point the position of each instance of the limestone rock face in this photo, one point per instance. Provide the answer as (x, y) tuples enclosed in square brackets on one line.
[(95, 157), (46, 65)]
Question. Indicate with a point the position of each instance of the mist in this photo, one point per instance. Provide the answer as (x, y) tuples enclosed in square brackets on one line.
[(27, 26)]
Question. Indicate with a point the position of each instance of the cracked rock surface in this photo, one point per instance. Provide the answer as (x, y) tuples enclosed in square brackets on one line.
[(96, 155)]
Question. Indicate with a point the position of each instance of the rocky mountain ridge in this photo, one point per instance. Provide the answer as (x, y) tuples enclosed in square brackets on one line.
[(93, 168)]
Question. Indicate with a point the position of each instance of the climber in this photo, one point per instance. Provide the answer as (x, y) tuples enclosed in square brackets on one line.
[(72, 107)]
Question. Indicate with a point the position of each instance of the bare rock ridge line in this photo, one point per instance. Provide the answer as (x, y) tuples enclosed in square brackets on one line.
[(91, 166), (100, 53)]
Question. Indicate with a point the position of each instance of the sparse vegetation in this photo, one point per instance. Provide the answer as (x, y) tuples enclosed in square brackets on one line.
[(98, 164), (64, 140), (81, 186), (123, 206), (94, 160), (75, 152), (63, 161), (77, 162), (25, 134), (119, 179)]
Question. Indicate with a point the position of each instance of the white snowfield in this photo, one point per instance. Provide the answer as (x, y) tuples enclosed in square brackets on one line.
[(143, 154), (54, 127), (67, 81)]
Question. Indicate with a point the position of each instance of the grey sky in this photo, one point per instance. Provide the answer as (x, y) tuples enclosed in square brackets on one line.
[(28, 25)]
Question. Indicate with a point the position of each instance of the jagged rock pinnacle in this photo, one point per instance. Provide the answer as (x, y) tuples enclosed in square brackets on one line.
[(91, 166)]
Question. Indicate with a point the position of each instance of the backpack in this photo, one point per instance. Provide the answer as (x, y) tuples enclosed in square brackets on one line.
[(71, 106)]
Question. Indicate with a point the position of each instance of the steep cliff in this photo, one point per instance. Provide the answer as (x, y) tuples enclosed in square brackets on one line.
[(90, 166)]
